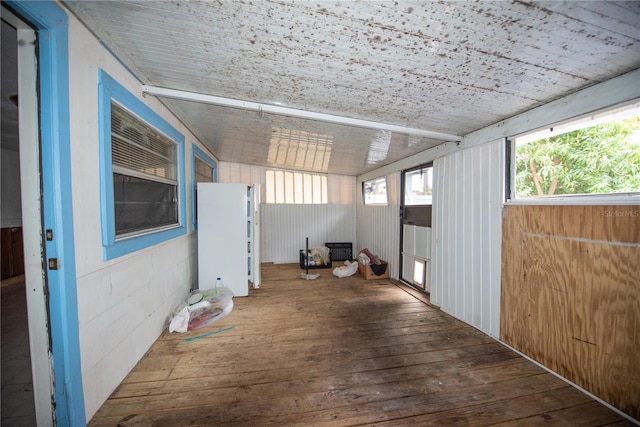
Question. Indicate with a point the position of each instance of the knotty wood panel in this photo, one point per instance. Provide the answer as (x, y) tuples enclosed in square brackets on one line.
[(12, 252), (338, 352), (571, 294)]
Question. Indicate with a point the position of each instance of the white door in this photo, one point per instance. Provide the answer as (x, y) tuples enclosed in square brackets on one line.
[(416, 227), (255, 244)]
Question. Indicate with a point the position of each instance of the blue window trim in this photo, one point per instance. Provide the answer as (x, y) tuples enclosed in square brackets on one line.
[(108, 90), (52, 27), (197, 152)]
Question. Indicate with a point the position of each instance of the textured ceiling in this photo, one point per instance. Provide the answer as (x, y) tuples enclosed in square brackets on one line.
[(451, 67)]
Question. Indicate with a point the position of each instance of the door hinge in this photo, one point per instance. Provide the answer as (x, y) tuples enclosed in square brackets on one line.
[(49, 235), (54, 263)]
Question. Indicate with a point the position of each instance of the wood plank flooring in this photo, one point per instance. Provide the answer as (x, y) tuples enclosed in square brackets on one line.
[(17, 406), (341, 352)]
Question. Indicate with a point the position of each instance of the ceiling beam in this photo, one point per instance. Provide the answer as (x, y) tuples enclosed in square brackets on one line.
[(292, 112)]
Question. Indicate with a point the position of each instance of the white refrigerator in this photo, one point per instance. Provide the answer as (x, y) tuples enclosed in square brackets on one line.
[(228, 233)]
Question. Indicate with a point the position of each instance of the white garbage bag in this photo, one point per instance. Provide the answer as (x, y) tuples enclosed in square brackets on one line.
[(345, 270)]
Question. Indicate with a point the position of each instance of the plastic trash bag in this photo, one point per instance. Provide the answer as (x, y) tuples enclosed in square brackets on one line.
[(345, 270), (202, 308)]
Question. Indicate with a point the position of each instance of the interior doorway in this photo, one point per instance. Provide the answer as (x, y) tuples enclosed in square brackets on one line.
[(18, 406), (415, 235), (47, 207), (27, 377)]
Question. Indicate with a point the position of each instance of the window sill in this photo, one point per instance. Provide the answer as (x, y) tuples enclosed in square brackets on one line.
[(580, 199)]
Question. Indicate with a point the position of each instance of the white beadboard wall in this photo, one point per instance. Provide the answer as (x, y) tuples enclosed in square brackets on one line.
[(284, 228), (379, 226), (467, 232)]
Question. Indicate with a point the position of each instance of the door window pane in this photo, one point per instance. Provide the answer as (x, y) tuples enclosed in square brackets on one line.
[(418, 187)]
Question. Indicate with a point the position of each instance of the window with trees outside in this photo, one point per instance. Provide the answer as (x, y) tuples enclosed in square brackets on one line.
[(374, 191), (599, 154)]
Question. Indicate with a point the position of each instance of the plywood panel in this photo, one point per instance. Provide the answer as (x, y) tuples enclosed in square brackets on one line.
[(571, 295)]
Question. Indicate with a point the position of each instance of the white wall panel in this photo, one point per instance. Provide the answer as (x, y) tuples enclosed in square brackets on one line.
[(379, 226), (123, 303), (416, 245), (10, 208), (423, 242), (239, 173), (467, 218), (284, 228)]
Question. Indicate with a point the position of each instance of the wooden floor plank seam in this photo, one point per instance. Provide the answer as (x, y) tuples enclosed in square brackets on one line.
[(339, 352)]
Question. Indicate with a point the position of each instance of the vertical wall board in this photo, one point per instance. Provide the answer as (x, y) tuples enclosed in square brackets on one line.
[(571, 294), (466, 235), (10, 202), (284, 228), (379, 226)]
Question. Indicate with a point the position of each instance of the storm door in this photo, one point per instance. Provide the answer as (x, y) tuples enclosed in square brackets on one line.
[(415, 235)]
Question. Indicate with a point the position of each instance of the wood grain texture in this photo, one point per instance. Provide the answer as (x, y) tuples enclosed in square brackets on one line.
[(12, 252), (337, 352), (571, 295)]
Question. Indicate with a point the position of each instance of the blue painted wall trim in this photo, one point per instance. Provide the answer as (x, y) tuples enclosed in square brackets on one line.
[(109, 89), (53, 59), (197, 152)]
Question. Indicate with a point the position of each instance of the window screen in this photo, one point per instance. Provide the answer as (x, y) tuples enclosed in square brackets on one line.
[(203, 170), (145, 186)]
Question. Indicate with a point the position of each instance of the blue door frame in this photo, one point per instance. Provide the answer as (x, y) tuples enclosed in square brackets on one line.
[(51, 24)]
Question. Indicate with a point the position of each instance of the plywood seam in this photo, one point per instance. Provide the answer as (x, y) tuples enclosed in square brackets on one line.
[(583, 240)]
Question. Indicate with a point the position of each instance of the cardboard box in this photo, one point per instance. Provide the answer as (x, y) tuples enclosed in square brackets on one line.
[(368, 274)]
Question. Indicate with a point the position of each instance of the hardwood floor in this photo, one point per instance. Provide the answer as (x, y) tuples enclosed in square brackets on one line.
[(340, 352), (17, 405)]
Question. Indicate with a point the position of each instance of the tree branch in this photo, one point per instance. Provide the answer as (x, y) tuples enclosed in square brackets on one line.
[(536, 178), (554, 174)]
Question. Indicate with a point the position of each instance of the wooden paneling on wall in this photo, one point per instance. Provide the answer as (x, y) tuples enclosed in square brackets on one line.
[(12, 252), (571, 295)]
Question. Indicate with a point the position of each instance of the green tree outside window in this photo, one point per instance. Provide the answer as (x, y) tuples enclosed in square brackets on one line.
[(604, 158)]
